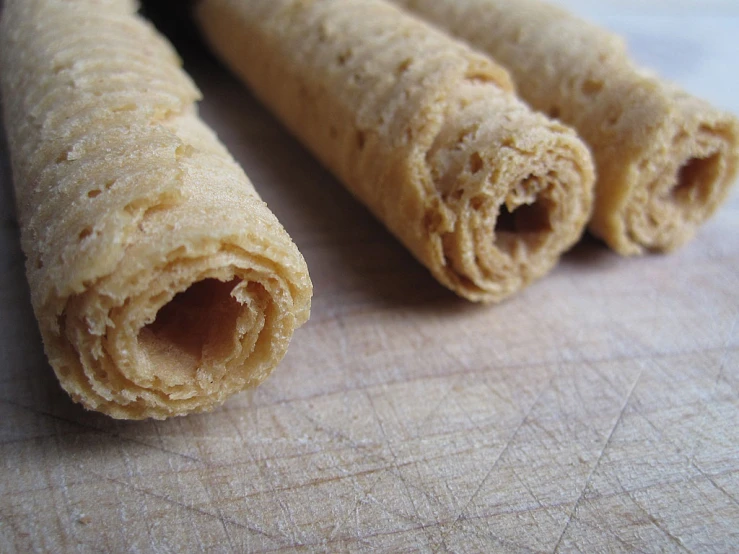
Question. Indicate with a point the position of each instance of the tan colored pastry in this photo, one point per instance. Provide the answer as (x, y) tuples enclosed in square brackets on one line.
[(665, 160), (161, 282), (424, 131)]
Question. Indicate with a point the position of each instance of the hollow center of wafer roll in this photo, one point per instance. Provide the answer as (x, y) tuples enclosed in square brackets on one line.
[(527, 223), (524, 217), (695, 179), (195, 324), (678, 193)]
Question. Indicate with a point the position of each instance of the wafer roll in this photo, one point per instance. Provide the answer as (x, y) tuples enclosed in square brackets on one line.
[(665, 160), (425, 132), (161, 282)]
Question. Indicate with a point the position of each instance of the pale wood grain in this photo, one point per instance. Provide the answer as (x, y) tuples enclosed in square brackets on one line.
[(597, 411)]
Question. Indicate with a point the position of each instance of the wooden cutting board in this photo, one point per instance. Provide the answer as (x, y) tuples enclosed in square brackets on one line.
[(596, 411)]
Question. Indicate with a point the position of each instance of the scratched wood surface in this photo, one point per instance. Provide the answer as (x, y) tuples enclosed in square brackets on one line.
[(597, 411)]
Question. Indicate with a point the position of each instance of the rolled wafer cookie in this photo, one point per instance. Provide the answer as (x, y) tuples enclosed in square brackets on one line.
[(161, 282), (424, 131), (665, 160)]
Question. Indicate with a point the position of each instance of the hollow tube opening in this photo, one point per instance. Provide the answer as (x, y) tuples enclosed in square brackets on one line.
[(199, 321), (695, 180), (529, 223)]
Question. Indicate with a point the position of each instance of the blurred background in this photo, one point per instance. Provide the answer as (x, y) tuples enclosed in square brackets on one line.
[(692, 42)]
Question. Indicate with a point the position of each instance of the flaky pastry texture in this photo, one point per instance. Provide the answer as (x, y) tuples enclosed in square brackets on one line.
[(161, 282), (421, 129), (665, 159)]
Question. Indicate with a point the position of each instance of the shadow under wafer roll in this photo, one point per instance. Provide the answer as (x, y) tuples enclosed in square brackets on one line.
[(160, 280), (665, 160), (425, 132)]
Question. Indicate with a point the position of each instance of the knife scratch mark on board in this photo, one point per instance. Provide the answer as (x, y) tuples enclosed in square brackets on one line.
[(173, 501), (656, 523), (115, 437), (494, 465), (598, 460), (398, 472)]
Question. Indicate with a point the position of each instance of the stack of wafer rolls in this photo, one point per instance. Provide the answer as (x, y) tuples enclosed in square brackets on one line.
[(161, 282), (424, 131), (665, 160)]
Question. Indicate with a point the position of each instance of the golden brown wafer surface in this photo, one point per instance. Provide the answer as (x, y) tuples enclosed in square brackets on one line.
[(161, 282), (665, 160), (423, 130)]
